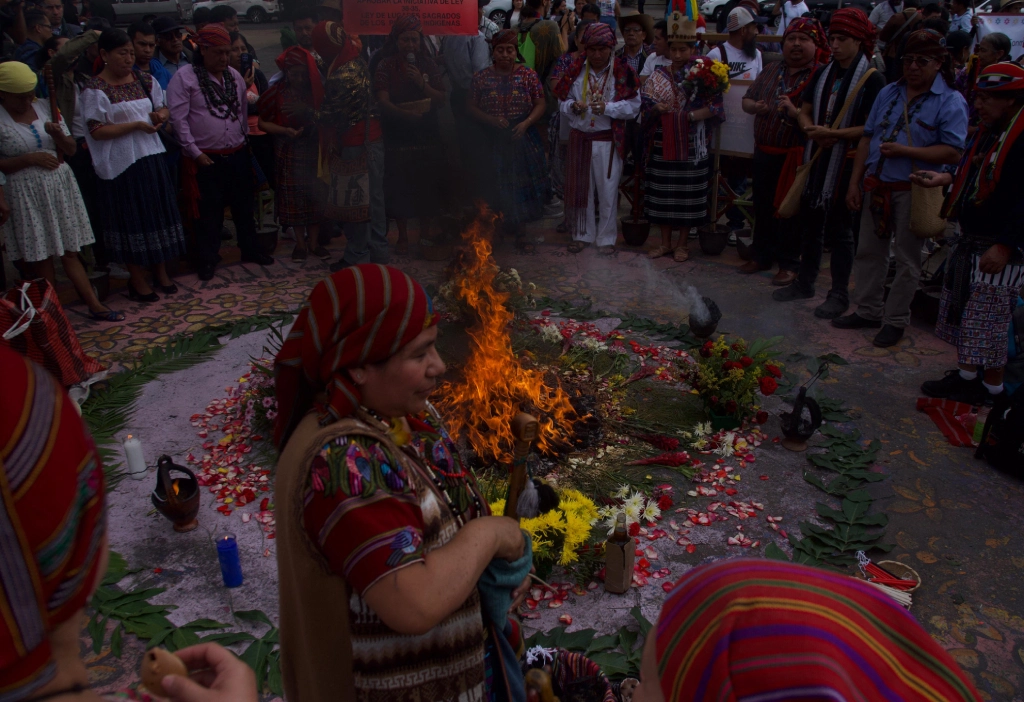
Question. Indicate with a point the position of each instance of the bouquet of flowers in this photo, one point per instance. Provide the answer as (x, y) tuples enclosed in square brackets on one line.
[(706, 78), (729, 378)]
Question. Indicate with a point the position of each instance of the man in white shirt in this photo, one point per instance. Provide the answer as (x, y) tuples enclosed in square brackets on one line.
[(740, 52), (961, 16), (660, 55), (597, 96), (883, 11), (787, 11)]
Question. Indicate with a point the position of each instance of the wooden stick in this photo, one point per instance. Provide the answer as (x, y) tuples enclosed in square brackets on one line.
[(524, 429), (54, 110), (543, 583)]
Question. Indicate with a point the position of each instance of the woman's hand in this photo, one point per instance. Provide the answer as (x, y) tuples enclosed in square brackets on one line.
[(146, 127), (499, 122), (995, 259), (54, 130), (414, 75), (41, 159), (215, 675), (854, 198), (663, 107), (931, 179), (156, 118), (292, 133), (519, 130), (891, 149), (250, 77)]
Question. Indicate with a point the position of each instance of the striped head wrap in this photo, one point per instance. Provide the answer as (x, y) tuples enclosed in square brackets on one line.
[(852, 22), (213, 35), (361, 314), (926, 42), (505, 36), (769, 630), (598, 34), (52, 521), (812, 28), (406, 23), (999, 77)]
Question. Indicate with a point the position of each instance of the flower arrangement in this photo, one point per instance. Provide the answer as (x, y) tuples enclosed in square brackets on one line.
[(729, 378), (258, 401), (638, 508), (706, 78), (558, 535)]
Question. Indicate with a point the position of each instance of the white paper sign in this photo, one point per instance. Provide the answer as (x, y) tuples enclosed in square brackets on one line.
[(737, 131)]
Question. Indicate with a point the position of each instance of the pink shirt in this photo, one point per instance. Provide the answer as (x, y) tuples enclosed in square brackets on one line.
[(196, 129)]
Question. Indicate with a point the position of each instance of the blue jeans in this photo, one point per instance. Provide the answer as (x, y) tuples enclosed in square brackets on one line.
[(367, 242)]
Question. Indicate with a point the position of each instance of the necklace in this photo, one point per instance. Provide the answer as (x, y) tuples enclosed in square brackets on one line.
[(221, 102), (595, 89)]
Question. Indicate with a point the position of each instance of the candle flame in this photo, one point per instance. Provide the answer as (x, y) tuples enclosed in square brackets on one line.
[(127, 437), (174, 485)]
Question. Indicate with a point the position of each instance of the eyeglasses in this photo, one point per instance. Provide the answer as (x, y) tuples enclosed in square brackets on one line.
[(919, 61)]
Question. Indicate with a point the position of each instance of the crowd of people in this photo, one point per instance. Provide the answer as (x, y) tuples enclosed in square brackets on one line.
[(161, 129)]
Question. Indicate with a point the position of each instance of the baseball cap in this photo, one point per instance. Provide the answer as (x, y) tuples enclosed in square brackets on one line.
[(739, 18), (166, 24)]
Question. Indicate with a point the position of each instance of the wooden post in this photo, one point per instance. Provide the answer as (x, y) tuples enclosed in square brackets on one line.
[(524, 429)]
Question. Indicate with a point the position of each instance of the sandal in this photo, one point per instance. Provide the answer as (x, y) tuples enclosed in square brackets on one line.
[(681, 254), (575, 247), (107, 315), (658, 252), (605, 250)]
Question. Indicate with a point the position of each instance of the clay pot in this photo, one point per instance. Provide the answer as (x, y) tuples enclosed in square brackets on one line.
[(176, 498), (635, 231), (713, 239), (702, 329)]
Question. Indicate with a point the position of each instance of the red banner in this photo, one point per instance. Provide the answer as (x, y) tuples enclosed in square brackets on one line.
[(438, 16)]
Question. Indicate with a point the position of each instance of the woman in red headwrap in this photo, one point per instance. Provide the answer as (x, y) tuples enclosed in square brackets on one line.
[(53, 538), (508, 99), (298, 195), (409, 90), (382, 530), (748, 629)]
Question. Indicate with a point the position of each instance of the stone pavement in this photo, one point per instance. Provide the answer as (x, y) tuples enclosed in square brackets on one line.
[(953, 519)]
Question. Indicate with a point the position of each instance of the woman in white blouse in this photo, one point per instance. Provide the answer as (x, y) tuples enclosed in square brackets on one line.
[(123, 109)]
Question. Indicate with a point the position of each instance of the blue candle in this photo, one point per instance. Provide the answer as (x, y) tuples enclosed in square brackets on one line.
[(230, 566)]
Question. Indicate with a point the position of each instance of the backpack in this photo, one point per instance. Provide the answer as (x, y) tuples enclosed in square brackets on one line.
[(528, 50), (1002, 441)]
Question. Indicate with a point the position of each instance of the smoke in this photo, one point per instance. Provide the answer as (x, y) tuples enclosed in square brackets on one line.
[(682, 295), (699, 311)]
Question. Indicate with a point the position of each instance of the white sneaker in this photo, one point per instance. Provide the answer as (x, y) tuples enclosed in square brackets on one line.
[(555, 209), (117, 271)]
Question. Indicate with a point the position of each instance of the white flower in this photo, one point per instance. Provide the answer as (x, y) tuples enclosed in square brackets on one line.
[(725, 448), (632, 513), (702, 429), (593, 345), (636, 501), (622, 493), (651, 511), (550, 334)]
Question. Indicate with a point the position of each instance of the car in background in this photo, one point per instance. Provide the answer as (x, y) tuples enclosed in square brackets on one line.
[(498, 10), (128, 11), (822, 10), (255, 11), (713, 9)]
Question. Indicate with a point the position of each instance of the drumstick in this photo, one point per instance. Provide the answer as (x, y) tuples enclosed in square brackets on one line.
[(54, 110)]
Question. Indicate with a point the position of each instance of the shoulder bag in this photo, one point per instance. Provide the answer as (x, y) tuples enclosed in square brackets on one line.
[(791, 203), (925, 203)]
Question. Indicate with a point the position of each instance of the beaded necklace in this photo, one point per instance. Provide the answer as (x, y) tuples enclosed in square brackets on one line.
[(222, 103), (900, 123)]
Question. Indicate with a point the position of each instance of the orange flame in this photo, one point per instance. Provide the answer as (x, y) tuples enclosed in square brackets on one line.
[(174, 486), (495, 386)]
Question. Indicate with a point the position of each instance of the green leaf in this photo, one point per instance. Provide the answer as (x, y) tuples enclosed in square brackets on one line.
[(228, 638), (253, 615), (612, 664), (115, 640), (205, 624), (274, 680), (627, 639), (645, 625), (117, 568), (578, 640), (773, 551), (602, 643), (159, 637), (255, 656), (95, 628)]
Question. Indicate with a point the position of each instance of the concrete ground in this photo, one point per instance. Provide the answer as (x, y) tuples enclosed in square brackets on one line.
[(952, 518)]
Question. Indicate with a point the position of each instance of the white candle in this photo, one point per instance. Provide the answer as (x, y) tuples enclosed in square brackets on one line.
[(133, 454)]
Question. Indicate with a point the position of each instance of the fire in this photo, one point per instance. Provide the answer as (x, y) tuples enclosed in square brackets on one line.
[(174, 486), (495, 386)]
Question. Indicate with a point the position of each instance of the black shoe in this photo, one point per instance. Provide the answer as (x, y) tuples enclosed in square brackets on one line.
[(855, 321), (135, 296), (831, 308), (171, 289), (261, 259), (205, 271), (339, 264), (791, 292), (954, 387), (889, 336)]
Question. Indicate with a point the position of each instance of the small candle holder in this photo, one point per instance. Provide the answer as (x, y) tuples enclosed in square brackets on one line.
[(177, 498), (230, 565)]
